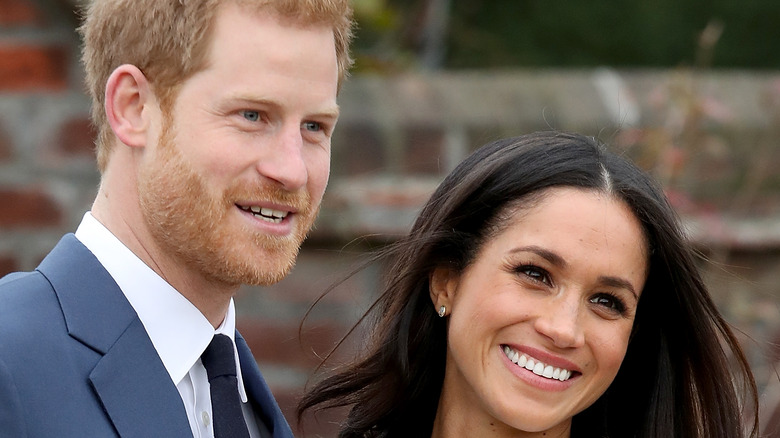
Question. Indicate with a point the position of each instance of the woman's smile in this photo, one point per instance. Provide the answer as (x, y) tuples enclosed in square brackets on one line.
[(536, 366), (540, 320)]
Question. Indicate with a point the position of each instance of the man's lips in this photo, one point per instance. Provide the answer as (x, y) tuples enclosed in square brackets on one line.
[(265, 213)]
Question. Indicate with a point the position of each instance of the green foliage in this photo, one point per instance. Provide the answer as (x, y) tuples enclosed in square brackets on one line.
[(543, 33)]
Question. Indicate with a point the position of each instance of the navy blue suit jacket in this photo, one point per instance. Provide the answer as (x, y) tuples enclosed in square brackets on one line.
[(75, 360)]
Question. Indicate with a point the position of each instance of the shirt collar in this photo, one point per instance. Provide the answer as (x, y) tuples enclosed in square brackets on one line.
[(178, 330)]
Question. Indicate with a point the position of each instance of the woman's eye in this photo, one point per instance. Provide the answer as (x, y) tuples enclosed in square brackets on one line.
[(312, 126), (535, 273), (252, 116), (609, 302)]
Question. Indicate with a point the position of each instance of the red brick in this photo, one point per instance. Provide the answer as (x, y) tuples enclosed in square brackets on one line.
[(316, 269), (423, 155), (358, 149), (31, 67), (280, 343), (8, 264), (19, 13), (319, 424), (322, 424), (28, 208), (77, 137)]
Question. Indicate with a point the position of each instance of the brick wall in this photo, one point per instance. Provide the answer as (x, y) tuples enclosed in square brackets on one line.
[(47, 169), (397, 138)]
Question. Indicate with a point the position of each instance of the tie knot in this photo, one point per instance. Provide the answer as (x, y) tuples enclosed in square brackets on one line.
[(219, 359)]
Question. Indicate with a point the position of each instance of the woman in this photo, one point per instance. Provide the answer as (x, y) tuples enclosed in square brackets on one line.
[(545, 290)]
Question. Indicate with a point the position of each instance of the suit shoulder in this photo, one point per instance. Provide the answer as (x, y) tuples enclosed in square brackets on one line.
[(23, 286), (28, 307)]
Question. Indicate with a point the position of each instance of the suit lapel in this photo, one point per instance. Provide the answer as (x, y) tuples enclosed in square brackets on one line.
[(260, 394), (130, 379), (136, 392)]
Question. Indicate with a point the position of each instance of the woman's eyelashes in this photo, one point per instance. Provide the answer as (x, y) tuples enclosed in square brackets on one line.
[(534, 273), (610, 302)]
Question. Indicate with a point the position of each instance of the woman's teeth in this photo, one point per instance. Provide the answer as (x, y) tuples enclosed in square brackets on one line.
[(535, 366)]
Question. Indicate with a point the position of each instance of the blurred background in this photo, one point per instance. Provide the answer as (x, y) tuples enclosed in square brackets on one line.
[(690, 90)]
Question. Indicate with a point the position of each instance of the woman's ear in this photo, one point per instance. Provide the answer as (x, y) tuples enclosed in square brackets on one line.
[(128, 93), (443, 284)]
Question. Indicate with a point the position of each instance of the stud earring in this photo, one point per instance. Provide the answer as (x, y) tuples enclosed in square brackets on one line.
[(442, 311)]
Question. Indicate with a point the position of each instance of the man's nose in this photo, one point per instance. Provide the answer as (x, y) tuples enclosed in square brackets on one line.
[(283, 159)]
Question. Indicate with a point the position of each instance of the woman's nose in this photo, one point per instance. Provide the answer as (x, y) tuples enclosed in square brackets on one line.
[(561, 323)]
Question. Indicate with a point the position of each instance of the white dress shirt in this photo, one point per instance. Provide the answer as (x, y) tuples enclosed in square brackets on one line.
[(179, 331)]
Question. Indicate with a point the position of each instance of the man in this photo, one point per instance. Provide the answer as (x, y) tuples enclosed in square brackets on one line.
[(214, 119)]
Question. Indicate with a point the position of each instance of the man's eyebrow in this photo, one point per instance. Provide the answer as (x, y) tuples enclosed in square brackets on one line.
[(544, 253), (328, 111)]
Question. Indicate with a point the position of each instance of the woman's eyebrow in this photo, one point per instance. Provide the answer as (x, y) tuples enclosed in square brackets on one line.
[(544, 253), (557, 260), (618, 282)]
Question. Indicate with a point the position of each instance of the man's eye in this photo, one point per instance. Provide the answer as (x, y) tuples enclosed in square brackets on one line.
[(312, 126), (252, 116)]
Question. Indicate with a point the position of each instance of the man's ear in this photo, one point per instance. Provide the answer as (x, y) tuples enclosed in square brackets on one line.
[(443, 284), (128, 93)]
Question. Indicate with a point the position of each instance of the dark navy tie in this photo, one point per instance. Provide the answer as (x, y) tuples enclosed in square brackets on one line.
[(220, 364)]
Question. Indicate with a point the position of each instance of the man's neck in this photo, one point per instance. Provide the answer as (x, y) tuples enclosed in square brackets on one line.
[(211, 297)]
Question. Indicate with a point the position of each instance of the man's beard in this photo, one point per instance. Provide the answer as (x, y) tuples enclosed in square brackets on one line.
[(205, 232)]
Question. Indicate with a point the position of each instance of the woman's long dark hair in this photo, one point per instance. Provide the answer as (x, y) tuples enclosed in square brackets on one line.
[(684, 374)]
